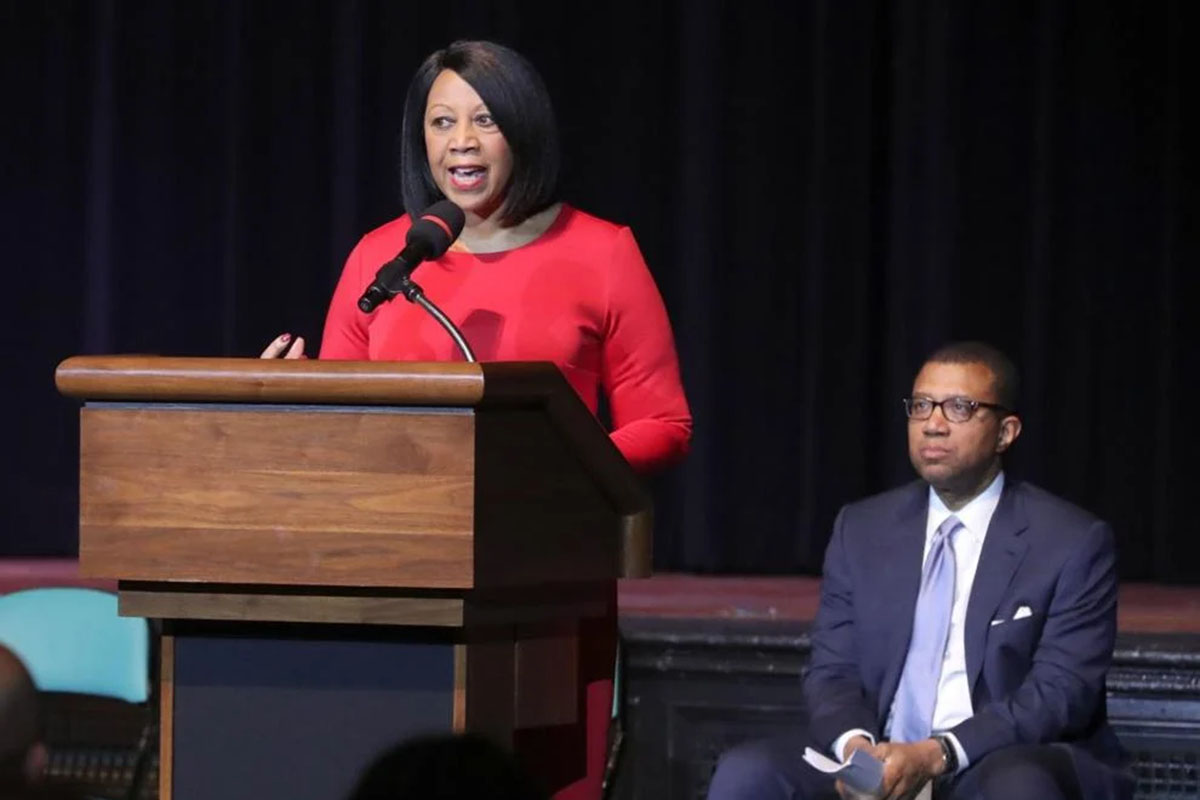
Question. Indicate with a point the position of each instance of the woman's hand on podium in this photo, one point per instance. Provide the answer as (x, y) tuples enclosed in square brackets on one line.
[(282, 346)]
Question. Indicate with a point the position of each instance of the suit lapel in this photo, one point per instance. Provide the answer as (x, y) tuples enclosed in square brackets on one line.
[(906, 547), (1003, 549)]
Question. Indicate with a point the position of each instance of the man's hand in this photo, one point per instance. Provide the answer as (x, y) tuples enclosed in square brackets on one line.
[(854, 743), (907, 767)]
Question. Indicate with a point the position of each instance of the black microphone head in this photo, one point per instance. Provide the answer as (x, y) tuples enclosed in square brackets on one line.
[(436, 229)]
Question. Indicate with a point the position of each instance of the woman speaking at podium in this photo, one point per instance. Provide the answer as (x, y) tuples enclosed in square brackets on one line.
[(529, 279)]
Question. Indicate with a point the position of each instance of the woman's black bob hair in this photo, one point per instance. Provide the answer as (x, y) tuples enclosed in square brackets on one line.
[(518, 100)]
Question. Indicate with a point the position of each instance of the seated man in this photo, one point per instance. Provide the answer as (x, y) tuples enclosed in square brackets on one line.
[(966, 622)]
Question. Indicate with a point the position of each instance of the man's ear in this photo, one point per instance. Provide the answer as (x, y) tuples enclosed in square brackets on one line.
[(1010, 429)]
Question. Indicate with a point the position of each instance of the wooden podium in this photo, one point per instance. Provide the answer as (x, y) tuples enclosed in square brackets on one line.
[(345, 554)]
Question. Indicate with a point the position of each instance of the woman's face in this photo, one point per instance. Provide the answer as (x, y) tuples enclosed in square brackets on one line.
[(468, 155)]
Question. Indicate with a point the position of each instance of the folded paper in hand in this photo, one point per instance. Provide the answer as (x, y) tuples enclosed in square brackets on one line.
[(863, 772)]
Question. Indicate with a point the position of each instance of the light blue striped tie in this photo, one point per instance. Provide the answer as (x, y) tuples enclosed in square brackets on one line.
[(912, 711)]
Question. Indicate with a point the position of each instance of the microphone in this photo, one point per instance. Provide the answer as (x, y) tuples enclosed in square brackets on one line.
[(429, 237)]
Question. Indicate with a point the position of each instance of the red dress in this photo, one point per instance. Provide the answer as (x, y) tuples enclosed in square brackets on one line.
[(580, 296)]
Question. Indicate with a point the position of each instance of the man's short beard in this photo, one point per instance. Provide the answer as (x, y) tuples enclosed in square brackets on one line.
[(969, 482)]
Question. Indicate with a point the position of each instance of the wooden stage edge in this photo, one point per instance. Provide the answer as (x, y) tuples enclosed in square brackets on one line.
[(1142, 608)]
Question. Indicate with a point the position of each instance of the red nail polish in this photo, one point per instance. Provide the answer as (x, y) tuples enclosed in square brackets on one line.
[(287, 337)]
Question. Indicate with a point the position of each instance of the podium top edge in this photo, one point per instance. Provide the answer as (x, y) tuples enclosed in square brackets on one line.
[(254, 380)]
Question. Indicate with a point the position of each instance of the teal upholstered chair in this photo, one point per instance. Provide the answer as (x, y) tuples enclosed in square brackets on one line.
[(73, 641), (75, 645)]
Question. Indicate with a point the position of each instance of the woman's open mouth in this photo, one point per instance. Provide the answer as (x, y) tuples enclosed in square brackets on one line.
[(467, 178)]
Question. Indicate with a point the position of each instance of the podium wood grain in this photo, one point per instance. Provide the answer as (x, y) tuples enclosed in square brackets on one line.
[(343, 499)]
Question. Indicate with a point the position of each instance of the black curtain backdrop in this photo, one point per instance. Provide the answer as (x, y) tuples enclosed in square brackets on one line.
[(824, 191)]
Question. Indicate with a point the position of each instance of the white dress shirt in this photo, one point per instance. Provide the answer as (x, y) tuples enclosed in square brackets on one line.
[(953, 704)]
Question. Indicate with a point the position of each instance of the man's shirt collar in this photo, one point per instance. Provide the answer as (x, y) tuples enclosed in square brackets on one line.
[(975, 515)]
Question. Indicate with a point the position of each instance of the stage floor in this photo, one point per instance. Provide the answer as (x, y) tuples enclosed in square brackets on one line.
[(1142, 608)]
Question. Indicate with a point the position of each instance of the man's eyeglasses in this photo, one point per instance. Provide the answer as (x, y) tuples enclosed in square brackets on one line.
[(954, 409)]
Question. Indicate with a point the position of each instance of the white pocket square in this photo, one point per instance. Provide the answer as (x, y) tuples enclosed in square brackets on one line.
[(1022, 613)]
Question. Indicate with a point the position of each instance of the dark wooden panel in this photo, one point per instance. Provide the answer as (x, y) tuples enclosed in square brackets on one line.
[(372, 499), (547, 675), (513, 384), (538, 514), (485, 687)]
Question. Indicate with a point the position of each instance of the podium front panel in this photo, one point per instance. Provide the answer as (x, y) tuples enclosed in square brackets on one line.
[(277, 495), (299, 716)]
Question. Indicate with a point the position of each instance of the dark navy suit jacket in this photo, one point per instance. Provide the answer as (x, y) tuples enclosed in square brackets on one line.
[(1037, 679)]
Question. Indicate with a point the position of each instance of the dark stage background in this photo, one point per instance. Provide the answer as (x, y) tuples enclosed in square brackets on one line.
[(824, 191)]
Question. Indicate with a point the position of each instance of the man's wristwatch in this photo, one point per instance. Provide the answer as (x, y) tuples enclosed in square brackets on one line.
[(949, 754)]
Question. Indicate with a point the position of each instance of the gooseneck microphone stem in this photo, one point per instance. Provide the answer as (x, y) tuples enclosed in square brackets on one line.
[(445, 322), (415, 294)]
